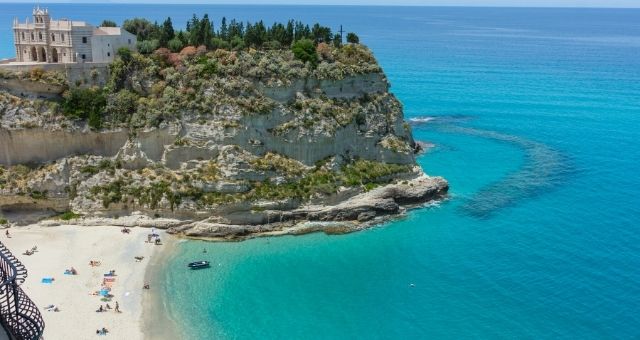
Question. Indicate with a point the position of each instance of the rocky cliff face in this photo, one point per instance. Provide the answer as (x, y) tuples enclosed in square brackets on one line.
[(310, 148)]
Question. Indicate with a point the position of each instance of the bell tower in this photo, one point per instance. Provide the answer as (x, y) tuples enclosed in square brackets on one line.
[(41, 16)]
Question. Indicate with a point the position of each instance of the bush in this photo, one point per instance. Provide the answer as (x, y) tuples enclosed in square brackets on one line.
[(85, 104), (122, 105), (305, 51), (217, 43), (237, 43), (108, 23), (353, 38), (125, 54), (148, 46), (175, 45), (3, 221), (69, 215), (188, 52)]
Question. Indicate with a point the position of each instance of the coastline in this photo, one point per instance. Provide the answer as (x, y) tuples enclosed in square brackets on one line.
[(157, 322), (63, 247)]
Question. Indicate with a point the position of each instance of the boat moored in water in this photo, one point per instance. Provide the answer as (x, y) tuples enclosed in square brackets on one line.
[(198, 264)]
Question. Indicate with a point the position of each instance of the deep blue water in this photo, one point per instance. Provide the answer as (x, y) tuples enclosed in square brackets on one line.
[(535, 114)]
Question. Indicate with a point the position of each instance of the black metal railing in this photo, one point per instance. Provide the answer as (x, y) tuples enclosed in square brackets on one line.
[(19, 316)]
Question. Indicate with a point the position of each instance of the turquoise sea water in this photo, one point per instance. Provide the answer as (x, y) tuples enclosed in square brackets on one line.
[(535, 114)]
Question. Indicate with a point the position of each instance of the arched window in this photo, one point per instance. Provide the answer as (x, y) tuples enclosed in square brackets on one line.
[(62, 36), (40, 36), (33, 37), (22, 35), (53, 37)]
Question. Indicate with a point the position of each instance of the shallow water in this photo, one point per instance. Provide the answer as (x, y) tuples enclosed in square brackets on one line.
[(535, 114)]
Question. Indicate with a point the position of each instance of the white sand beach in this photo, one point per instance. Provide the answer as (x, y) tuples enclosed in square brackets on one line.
[(63, 247)]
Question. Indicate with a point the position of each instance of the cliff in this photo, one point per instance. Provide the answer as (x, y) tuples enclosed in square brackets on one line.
[(219, 144)]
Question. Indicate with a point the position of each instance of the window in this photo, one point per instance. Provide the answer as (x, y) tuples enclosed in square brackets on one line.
[(129, 41), (84, 56), (53, 37), (64, 54), (62, 36), (33, 37), (108, 54), (40, 36), (84, 40), (108, 45), (22, 35)]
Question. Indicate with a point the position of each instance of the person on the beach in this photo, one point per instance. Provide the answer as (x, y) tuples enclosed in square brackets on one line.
[(7, 233), (117, 309), (100, 310), (146, 286), (108, 307)]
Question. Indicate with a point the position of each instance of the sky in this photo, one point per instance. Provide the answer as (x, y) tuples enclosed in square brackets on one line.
[(507, 3)]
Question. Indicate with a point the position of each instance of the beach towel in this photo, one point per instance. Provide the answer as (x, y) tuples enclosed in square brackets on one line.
[(104, 292), (47, 280), (109, 279)]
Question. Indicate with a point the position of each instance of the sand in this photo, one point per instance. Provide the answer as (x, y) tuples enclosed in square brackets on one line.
[(62, 247)]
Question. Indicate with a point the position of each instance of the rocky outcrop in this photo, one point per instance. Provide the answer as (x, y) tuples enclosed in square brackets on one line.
[(332, 155), (355, 213)]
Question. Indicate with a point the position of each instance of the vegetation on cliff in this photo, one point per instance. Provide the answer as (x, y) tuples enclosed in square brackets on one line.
[(234, 35)]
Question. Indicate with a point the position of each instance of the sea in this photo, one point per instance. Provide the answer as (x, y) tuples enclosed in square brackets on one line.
[(534, 117)]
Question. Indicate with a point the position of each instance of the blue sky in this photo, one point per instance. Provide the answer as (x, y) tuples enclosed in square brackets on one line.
[(514, 3)]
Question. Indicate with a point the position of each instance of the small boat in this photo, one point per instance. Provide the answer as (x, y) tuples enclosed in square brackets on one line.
[(198, 265)]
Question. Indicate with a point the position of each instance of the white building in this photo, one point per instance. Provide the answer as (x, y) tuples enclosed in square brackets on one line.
[(66, 41)]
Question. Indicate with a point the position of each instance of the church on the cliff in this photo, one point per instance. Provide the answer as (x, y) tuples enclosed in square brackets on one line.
[(66, 41)]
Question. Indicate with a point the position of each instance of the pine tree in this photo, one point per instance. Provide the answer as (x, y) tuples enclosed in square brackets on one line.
[(167, 32), (224, 31)]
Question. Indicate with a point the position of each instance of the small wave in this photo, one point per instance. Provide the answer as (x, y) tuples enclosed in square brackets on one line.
[(444, 119), (419, 120)]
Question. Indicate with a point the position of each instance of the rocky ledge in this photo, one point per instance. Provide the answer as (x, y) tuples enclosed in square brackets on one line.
[(355, 213)]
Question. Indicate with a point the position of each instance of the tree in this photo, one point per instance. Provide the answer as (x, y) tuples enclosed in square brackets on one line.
[(108, 23), (167, 33), (142, 28), (321, 33), (224, 30), (352, 38), (337, 40), (305, 50)]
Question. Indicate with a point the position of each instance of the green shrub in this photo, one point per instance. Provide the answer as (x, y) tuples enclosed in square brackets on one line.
[(125, 54), (69, 215), (3, 221), (175, 45), (305, 51), (353, 38), (38, 195), (148, 46), (85, 104)]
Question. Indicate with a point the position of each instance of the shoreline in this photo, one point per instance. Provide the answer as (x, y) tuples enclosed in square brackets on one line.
[(63, 247), (157, 322)]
